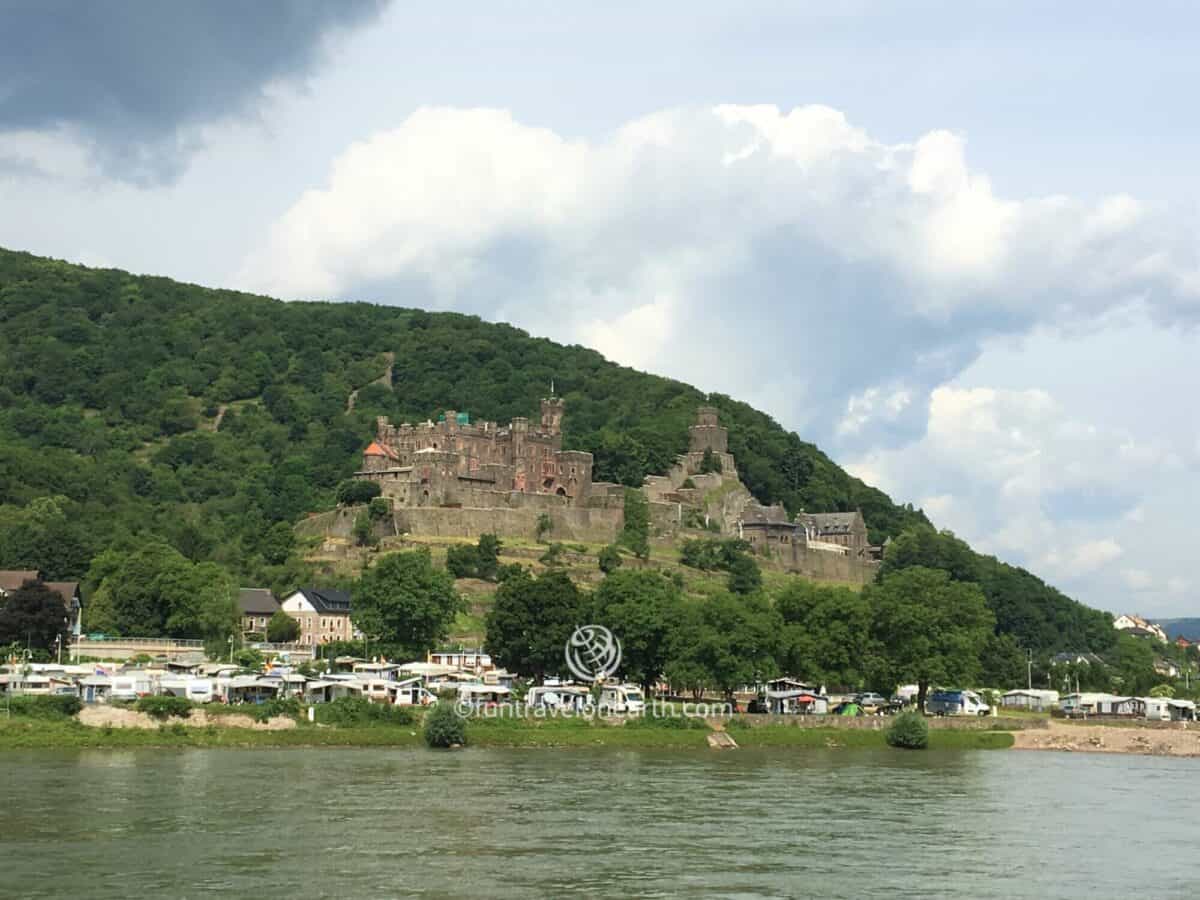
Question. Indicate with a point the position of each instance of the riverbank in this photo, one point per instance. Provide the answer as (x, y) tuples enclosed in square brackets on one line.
[(644, 734), (1113, 737)]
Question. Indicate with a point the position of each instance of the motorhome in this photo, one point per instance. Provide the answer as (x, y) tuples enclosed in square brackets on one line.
[(410, 692), (956, 703), (625, 699)]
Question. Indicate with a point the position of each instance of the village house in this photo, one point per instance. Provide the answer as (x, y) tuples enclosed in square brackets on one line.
[(12, 580), (323, 614), (1139, 627), (256, 606)]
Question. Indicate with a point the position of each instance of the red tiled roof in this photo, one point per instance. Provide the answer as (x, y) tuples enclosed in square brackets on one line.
[(377, 449)]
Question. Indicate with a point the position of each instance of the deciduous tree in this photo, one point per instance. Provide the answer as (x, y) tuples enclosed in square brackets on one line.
[(33, 615), (930, 629), (403, 600), (640, 607), (531, 620)]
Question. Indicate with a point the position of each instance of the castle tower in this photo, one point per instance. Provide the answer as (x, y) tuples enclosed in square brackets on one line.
[(552, 414), (706, 434)]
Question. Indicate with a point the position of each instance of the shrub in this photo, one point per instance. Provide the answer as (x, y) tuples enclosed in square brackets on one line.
[(744, 576), (488, 556), (282, 628), (610, 559), (552, 556), (355, 712), (544, 525), (688, 484), (512, 570), (444, 727), (909, 731), (1162, 690), (462, 561), (57, 706), (635, 533), (248, 658), (163, 708), (379, 509), (364, 530), (709, 462), (355, 491), (280, 706)]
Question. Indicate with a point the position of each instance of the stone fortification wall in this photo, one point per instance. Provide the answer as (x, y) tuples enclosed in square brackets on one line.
[(821, 565), (597, 526), (339, 523)]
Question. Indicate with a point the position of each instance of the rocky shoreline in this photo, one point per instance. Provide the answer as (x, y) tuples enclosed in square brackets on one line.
[(1071, 737)]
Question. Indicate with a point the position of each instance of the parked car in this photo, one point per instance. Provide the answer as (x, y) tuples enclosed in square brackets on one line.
[(757, 705), (870, 701)]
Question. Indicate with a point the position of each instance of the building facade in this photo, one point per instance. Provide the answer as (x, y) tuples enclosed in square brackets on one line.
[(456, 462), (323, 614), (256, 605)]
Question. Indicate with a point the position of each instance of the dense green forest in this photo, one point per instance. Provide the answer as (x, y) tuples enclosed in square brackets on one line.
[(135, 406)]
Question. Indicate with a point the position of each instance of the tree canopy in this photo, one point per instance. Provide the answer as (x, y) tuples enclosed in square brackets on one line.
[(531, 619), (404, 602), (929, 628), (154, 589), (33, 616), (640, 608)]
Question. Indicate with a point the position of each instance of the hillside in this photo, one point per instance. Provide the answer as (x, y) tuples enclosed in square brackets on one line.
[(1181, 628), (133, 405)]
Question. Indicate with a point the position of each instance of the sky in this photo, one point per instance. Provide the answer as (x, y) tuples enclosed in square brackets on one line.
[(953, 244)]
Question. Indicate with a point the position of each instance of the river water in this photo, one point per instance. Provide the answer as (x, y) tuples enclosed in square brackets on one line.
[(581, 823)]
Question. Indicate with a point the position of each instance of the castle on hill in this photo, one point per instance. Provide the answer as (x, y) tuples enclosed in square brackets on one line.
[(455, 477), (454, 462)]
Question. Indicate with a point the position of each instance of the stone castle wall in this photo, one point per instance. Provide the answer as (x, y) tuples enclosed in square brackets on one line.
[(595, 526)]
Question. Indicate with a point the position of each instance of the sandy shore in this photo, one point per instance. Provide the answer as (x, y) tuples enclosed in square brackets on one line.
[(1180, 740)]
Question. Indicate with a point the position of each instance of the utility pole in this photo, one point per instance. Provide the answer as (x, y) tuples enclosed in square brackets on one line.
[(1029, 660)]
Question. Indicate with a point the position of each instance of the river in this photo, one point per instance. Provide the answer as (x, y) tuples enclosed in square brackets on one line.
[(538, 823)]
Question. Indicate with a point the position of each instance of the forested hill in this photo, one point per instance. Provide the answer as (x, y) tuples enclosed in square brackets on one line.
[(139, 405)]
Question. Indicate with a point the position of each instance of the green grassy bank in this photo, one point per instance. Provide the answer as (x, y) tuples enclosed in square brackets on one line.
[(845, 738), (23, 734), (30, 733)]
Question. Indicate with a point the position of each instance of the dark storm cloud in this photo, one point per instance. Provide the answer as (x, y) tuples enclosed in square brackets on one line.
[(129, 74)]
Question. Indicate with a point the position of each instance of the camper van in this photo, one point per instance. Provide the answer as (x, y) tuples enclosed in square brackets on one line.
[(956, 703), (410, 692), (622, 698)]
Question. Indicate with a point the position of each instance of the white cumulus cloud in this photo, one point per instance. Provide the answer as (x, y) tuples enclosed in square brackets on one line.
[(770, 254)]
